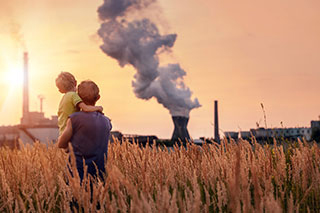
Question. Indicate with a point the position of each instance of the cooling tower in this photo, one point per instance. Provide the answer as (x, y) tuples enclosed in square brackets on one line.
[(180, 129)]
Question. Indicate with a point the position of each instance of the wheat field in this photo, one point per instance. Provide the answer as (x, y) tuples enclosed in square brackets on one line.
[(231, 177)]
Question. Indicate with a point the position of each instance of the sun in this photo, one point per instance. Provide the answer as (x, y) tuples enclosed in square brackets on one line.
[(14, 76)]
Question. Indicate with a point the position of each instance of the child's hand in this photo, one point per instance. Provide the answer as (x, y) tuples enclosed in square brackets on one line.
[(66, 150), (99, 109)]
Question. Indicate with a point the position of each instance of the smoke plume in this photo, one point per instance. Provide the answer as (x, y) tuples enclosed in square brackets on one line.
[(17, 35), (138, 43)]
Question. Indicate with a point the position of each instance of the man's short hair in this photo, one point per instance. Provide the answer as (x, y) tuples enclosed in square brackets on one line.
[(88, 92), (66, 81)]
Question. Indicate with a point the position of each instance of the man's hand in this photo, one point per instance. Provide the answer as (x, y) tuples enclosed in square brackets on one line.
[(65, 136)]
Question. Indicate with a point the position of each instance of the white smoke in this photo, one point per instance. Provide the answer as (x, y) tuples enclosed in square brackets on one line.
[(137, 43), (17, 34)]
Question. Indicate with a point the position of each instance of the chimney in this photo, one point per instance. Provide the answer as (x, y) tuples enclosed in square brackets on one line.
[(216, 122), (25, 106), (41, 98), (180, 129)]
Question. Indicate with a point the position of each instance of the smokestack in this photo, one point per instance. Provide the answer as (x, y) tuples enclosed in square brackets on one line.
[(41, 98), (216, 122), (180, 129), (25, 87)]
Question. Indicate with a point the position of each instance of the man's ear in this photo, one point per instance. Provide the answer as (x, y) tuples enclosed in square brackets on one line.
[(98, 97)]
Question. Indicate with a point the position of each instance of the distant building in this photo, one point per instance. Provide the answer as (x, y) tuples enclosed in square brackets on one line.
[(315, 127), (232, 135), (37, 118), (141, 139), (282, 133), (315, 124), (115, 135), (34, 126), (245, 134), (262, 134)]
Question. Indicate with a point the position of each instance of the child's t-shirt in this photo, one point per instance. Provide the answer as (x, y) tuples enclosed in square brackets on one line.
[(67, 106)]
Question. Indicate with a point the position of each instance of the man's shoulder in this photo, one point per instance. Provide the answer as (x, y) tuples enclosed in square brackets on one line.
[(99, 114), (108, 119), (90, 118), (103, 117), (77, 114), (89, 114)]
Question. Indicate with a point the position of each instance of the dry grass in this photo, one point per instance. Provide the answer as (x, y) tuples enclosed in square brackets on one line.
[(226, 178)]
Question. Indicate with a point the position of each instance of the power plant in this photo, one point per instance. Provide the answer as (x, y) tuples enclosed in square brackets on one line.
[(180, 132), (34, 126)]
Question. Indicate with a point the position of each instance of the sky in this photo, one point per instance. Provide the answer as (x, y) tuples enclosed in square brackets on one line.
[(241, 53)]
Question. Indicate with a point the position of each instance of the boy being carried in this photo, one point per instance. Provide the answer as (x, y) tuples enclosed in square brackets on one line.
[(70, 102)]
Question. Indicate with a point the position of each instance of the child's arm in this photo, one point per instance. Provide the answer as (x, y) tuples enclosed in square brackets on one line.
[(89, 108)]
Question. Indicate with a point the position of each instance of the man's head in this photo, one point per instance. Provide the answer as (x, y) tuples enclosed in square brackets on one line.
[(66, 82), (88, 92)]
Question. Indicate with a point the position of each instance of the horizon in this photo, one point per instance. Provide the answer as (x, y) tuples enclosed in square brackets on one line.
[(237, 53)]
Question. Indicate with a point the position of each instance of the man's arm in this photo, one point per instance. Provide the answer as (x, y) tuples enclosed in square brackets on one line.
[(89, 108), (65, 136)]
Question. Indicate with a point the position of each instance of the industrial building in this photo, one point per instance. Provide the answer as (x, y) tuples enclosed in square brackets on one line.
[(265, 134), (34, 126), (262, 134)]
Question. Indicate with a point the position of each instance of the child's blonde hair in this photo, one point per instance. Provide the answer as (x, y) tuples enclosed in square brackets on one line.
[(66, 82)]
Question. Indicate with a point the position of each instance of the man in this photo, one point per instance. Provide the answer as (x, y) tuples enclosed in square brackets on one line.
[(88, 133)]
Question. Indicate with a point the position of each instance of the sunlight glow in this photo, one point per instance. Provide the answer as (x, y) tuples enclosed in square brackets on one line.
[(14, 77)]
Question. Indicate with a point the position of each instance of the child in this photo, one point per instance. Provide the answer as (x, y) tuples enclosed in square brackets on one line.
[(70, 102)]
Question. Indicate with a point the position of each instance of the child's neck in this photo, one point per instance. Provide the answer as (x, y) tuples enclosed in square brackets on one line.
[(72, 90)]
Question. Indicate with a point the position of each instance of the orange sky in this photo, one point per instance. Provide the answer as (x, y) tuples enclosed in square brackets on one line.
[(242, 53)]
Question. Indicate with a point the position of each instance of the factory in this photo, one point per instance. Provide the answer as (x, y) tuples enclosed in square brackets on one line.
[(267, 134), (264, 134), (280, 133), (34, 126)]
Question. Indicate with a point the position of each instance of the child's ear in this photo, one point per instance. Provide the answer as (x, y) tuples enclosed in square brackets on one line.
[(98, 97)]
